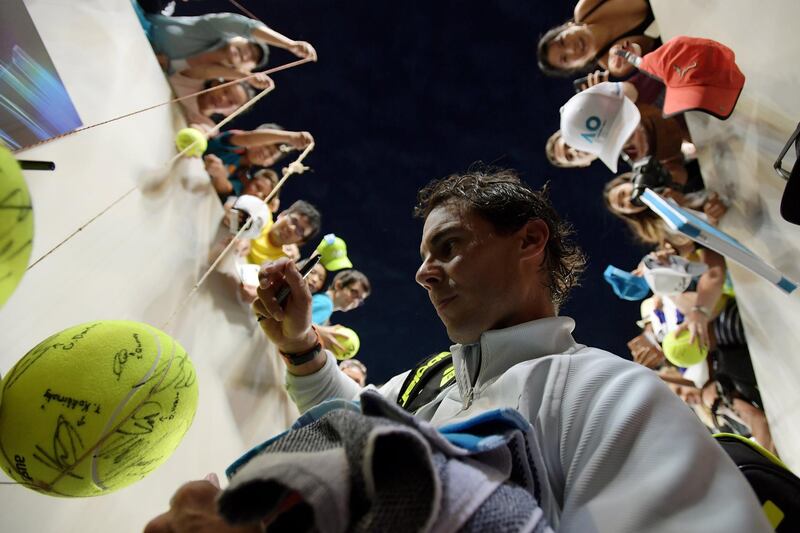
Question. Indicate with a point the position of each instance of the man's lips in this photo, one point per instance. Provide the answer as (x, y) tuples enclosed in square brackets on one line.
[(441, 303)]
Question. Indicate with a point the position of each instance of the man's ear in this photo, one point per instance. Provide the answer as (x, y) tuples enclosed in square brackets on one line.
[(533, 239)]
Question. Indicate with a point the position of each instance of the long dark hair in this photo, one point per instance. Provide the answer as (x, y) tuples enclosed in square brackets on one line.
[(549, 69), (646, 226)]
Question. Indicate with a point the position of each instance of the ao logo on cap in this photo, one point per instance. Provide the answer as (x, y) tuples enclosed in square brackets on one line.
[(594, 125)]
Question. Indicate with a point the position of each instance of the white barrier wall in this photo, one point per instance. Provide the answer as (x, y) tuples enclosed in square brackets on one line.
[(736, 158), (136, 262)]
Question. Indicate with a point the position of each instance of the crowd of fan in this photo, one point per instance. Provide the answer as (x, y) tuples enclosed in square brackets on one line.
[(620, 111), (623, 109), (202, 52)]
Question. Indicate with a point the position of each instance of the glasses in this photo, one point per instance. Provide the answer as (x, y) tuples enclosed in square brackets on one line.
[(778, 166)]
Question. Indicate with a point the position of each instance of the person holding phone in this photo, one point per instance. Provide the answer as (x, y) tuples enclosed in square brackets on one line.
[(586, 38)]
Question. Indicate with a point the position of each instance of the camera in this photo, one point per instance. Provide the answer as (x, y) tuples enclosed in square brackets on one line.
[(649, 173)]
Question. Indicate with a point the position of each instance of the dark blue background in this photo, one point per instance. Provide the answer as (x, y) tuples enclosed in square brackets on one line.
[(409, 91)]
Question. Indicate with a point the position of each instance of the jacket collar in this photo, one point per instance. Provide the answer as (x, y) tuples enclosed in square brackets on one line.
[(498, 350)]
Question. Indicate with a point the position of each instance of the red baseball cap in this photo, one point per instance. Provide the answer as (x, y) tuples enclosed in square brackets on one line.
[(700, 74)]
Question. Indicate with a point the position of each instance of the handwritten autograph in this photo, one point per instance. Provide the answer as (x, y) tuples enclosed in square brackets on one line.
[(66, 447), (122, 356)]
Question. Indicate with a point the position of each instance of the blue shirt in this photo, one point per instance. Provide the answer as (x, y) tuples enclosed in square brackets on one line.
[(231, 156), (321, 308), (182, 37)]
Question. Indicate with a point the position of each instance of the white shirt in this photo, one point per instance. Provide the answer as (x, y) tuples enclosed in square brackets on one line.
[(621, 452)]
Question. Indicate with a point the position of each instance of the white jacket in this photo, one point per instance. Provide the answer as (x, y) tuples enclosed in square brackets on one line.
[(621, 452)]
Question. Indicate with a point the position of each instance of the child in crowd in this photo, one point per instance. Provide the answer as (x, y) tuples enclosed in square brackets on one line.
[(587, 38), (316, 278), (232, 153)]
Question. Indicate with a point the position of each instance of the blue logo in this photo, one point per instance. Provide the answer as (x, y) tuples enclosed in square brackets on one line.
[(593, 125)]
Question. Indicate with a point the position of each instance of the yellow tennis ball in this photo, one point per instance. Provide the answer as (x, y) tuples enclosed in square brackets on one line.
[(191, 136), (16, 225), (349, 341), (95, 407), (680, 352)]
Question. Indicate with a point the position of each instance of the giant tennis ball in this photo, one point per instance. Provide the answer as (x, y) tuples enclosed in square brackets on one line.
[(680, 352), (190, 136), (95, 407), (349, 341), (16, 225)]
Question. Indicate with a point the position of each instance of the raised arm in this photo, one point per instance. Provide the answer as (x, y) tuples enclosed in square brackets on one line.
[(289, 328), (709, 290), (209, 71), (297, 139), (269, 36)]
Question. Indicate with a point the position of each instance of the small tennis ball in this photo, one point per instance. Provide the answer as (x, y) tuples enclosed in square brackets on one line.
[(680, 352), (95, 407), (189, 136), (350, 343), (16, 225)]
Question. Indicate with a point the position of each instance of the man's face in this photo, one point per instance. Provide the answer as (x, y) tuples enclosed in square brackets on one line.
[(223, 101), (264, 155), (568, 156), (240, 54), (347, 298), (290, 228), (470, 271)]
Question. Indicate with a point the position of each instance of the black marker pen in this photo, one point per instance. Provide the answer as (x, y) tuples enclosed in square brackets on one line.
[(310, 264), (284, 291)]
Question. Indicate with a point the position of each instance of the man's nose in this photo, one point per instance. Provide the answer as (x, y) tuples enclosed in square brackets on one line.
[(428, 274)]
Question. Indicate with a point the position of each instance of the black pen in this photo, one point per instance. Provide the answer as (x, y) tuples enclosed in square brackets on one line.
[(284, 291)]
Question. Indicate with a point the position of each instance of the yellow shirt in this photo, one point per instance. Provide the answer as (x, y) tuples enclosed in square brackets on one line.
[(261, 249)]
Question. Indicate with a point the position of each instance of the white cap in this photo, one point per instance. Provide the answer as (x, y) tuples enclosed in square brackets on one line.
[(599, 120), (256, 209), (672, 278)]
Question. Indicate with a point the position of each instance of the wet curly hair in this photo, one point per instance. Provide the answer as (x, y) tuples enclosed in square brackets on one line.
[(502, 198)]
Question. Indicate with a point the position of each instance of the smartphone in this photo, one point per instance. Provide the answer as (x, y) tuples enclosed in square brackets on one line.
[(580, 82)]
